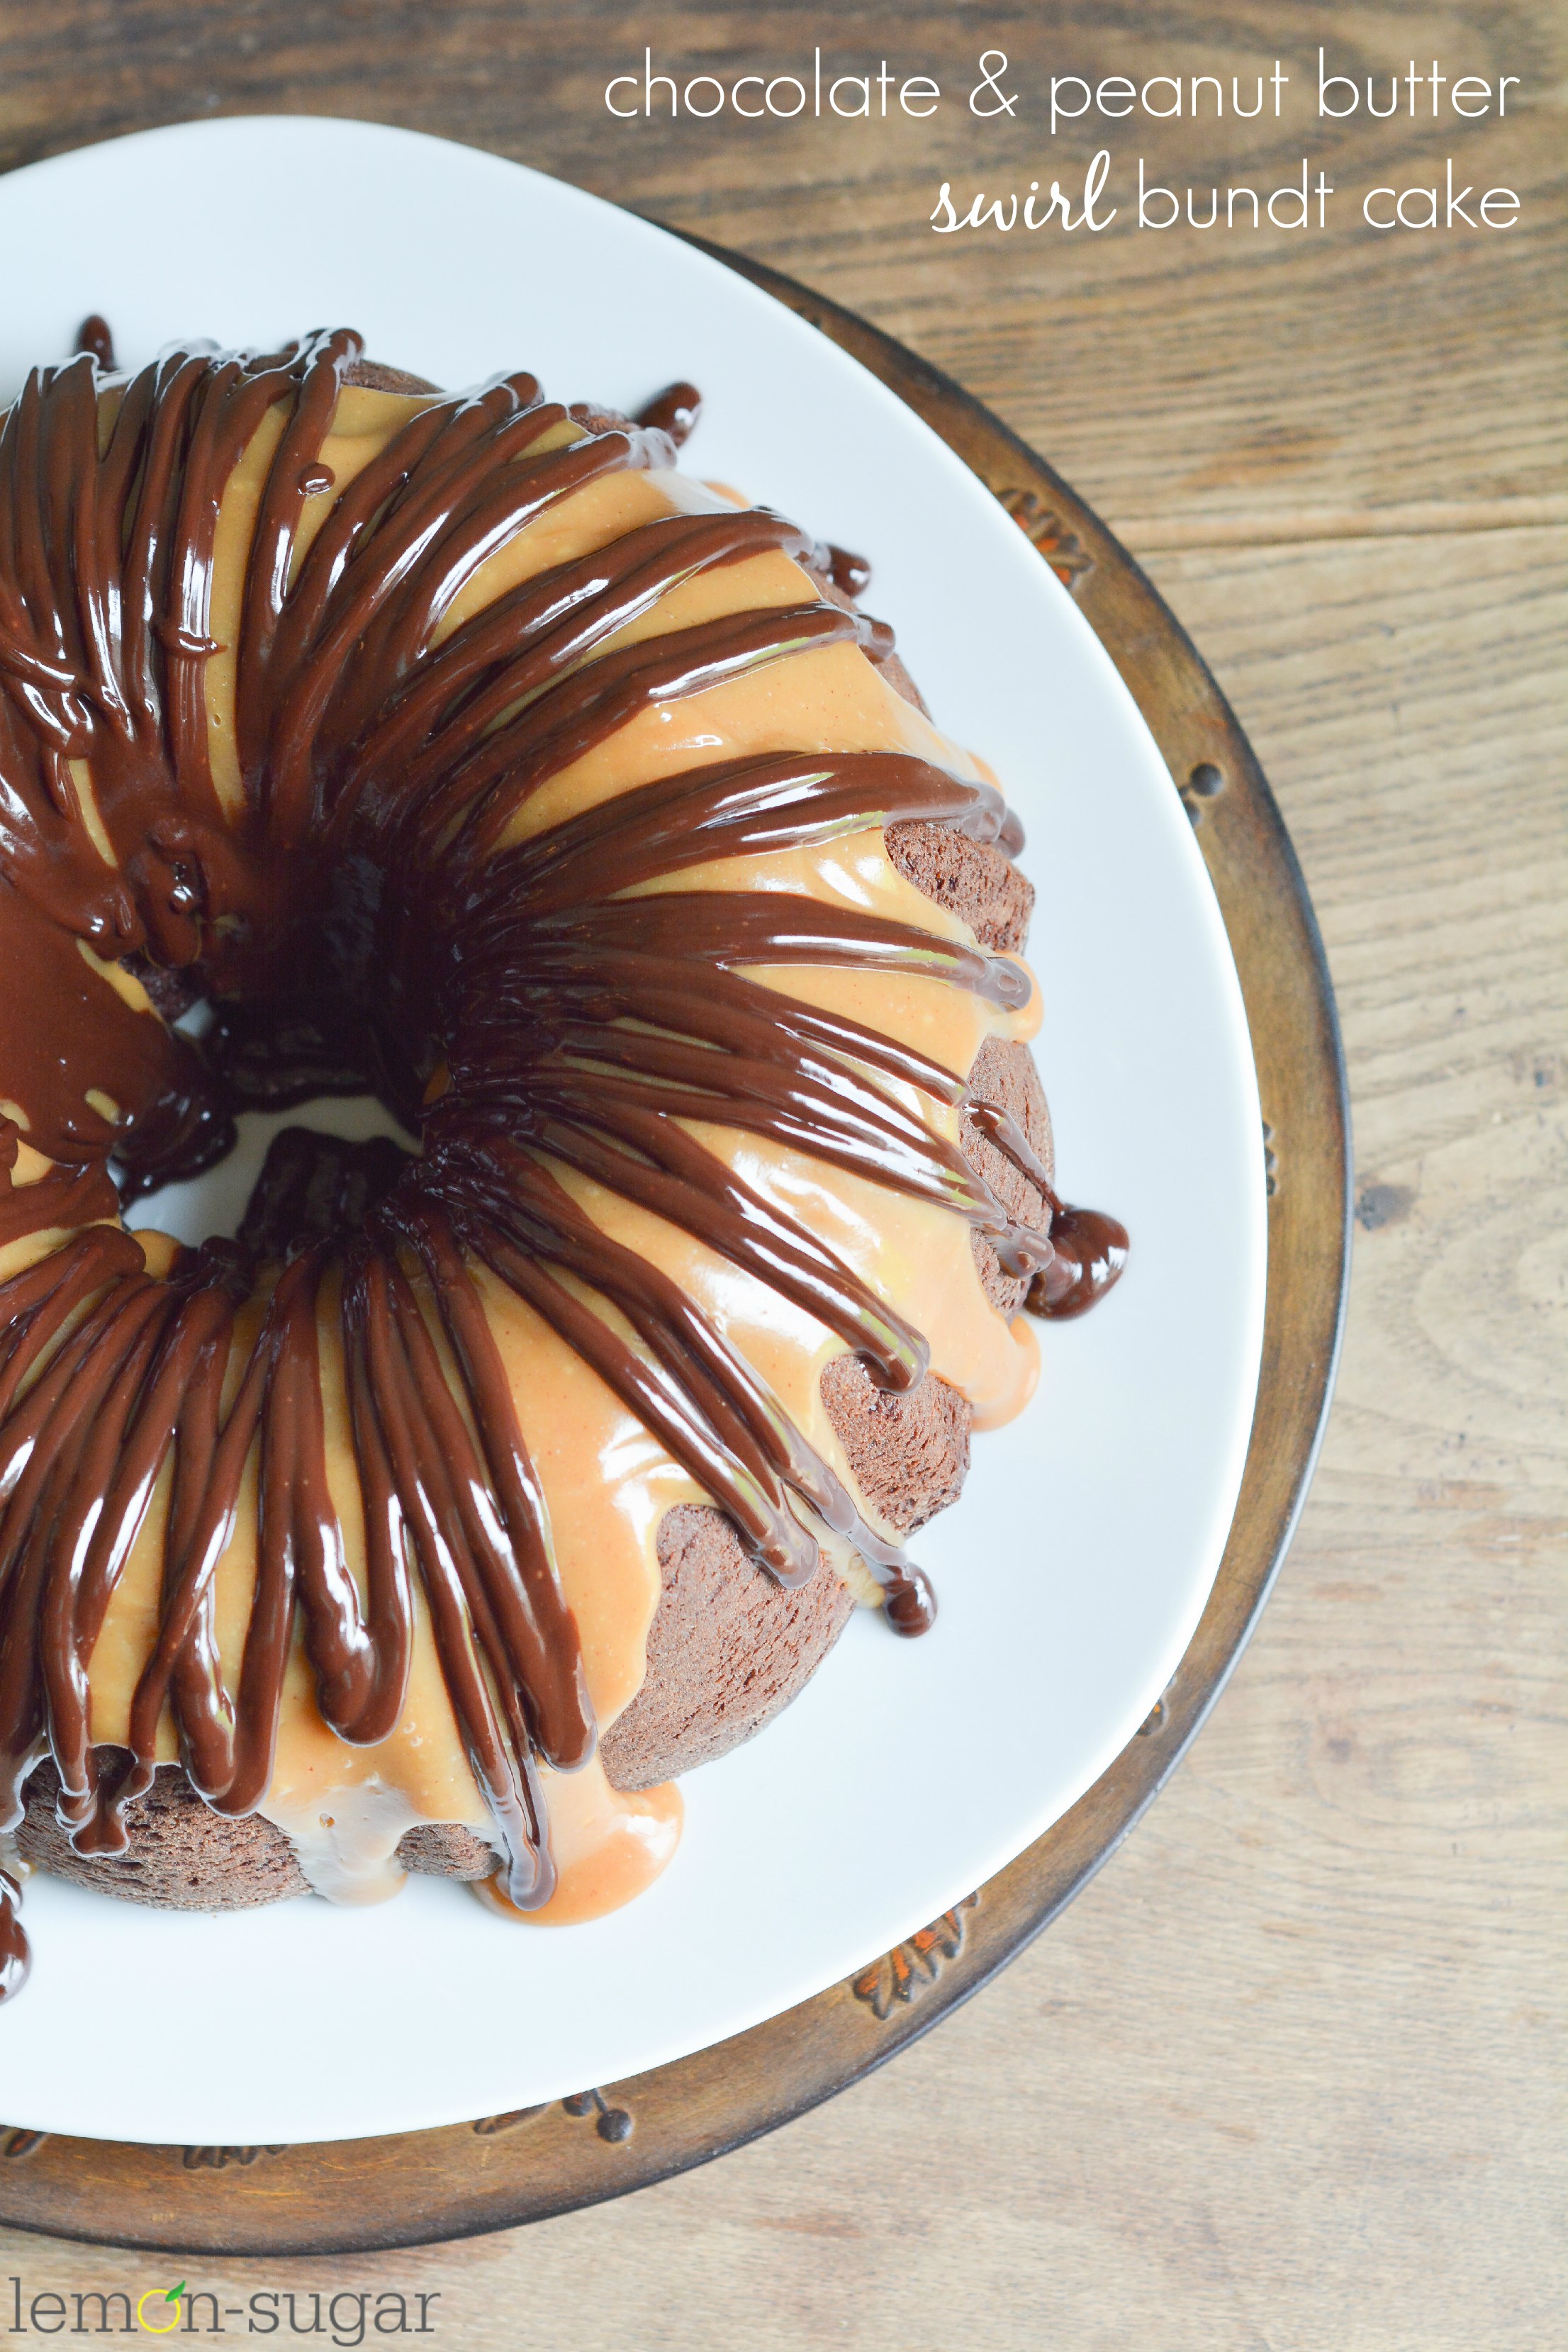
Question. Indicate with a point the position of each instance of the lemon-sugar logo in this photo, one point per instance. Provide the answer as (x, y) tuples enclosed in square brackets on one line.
[(165, 2314)]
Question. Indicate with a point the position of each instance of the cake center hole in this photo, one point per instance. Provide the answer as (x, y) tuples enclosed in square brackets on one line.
[(325, 1162)]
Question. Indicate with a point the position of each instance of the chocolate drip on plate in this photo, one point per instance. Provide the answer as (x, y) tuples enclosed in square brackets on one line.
[(93, 337), (675, 411), (1085, 1250), (850, 574), (1089, 1250)]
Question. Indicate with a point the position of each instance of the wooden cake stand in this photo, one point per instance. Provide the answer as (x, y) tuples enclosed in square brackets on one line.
[(412, 2187)]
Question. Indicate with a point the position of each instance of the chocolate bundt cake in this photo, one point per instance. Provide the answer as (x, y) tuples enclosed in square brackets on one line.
[(456, 748)]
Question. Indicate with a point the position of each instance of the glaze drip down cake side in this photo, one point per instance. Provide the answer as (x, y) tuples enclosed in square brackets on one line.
[(460, 750)]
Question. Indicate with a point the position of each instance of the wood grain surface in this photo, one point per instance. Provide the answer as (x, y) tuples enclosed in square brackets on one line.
[(1289, 2074)]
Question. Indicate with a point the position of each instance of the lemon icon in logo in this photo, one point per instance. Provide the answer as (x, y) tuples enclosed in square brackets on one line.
[(163, 2322)]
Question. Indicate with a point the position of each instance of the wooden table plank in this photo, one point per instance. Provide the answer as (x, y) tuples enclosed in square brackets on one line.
[(1289, 2074)]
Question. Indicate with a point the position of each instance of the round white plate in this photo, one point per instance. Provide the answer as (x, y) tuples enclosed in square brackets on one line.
[(1073, 1572)]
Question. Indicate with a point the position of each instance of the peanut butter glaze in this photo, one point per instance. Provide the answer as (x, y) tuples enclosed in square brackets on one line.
[(379, 896)]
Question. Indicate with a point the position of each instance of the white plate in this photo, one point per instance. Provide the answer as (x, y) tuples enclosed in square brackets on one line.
[(1073, 1572)]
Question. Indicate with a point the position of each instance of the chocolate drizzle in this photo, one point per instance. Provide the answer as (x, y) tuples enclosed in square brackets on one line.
[(1088, 1252), (674, 411), (365, 918), (315, 1188), (93, 337), (1082, 1251), (850, 574), (16, 1959)]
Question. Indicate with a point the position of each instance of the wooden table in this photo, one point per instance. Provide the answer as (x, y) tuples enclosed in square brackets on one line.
[(1288, 2074)]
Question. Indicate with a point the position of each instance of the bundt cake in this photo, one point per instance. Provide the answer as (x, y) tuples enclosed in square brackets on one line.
[(357, 737)]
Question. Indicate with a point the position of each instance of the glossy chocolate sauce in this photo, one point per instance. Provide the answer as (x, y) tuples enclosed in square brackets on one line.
[(364, 920), (850, 574), (16, 1959), (93, 337), (674, 411), (1082, 1251)]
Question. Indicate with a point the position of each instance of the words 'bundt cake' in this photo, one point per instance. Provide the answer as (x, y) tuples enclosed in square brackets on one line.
[(456, 749)]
